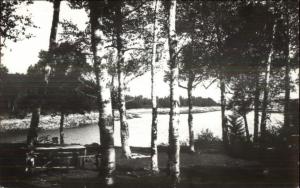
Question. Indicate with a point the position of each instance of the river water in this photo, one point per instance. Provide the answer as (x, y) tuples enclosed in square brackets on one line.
[(140, 129)]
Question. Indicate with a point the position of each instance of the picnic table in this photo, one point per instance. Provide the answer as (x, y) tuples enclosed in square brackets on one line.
[(56, 157)]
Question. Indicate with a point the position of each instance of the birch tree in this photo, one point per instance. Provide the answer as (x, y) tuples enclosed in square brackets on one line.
[(290, 16), (192, 70), (121, 84), (154, 153), (256, 109), (192, 65), (174, 146), (122, 28), (266, 88), (248, 50), (106, 121)]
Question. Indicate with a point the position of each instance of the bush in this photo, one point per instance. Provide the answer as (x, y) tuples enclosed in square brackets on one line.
[(207, 138), (237, 140)]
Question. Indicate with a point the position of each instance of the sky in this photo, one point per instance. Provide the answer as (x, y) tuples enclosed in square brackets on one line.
[(20, 55)]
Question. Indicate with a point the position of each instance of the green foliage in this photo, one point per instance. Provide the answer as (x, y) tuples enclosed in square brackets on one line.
[(207, 137), (243, 87), (3, 70), (12, 88), (141, 102), (73, 35), (236, 129), (285, 136), (197, 101), (124, 20), (68, 65), (13, 26), (237, 140), (137, 102), (62, 93)]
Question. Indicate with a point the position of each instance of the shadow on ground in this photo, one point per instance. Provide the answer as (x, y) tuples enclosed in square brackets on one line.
[(208, 168)]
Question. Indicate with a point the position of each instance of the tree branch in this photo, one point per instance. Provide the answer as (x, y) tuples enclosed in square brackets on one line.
[(197, 83), (110, 46), (228, 89), (198, 78), (84, 83), (141, 49), (182, 86), (206, 87), (134, 77)]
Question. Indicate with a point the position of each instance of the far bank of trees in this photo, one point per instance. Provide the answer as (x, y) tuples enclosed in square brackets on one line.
[(141, 102), (15, 103)]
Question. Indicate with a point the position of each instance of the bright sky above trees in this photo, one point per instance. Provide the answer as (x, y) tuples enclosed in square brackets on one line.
[(18, 56)]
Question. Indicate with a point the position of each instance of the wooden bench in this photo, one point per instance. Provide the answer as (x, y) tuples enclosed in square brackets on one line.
[(48, 156)]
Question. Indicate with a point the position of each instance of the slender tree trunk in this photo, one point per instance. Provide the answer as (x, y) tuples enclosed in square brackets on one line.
[(256, 109), (61, 127), (223, 106), (122, 109), (286, 121), (108, 161), (55, 20), (32, 133), (174, 147), (121, 86), (191, 79), (246, 128), (222, 81), (35, 117), (111, 94), (154, 153), (190, 115), (265, 101), (106, 121)]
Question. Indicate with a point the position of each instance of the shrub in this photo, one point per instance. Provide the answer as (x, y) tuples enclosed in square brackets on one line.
[(237, 139), (207, 138)]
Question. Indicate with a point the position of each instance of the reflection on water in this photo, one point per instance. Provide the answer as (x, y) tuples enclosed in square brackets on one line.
[(140, 129)]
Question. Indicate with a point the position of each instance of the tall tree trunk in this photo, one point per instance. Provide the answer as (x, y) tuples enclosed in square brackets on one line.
[(61, 127), (191, 79), (174, 147), (35, 117), (106, 121), (32, 133), (154, 154), (121, 86), (55, 20), (112, 90), (246, 128), (190, 115), (221, 79), (106, 124), (256, 109), (223, 106), (286, 121), (265, 101)]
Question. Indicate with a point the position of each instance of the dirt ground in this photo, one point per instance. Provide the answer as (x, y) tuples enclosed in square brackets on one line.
[(208, 168)]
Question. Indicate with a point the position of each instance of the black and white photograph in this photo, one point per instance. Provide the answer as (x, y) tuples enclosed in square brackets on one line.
[(149, 94)]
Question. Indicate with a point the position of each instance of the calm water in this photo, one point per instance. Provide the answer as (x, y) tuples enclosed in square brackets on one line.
[(139, 129)]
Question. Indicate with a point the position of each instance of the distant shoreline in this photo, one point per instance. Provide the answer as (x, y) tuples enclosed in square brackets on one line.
[(48, 122)]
